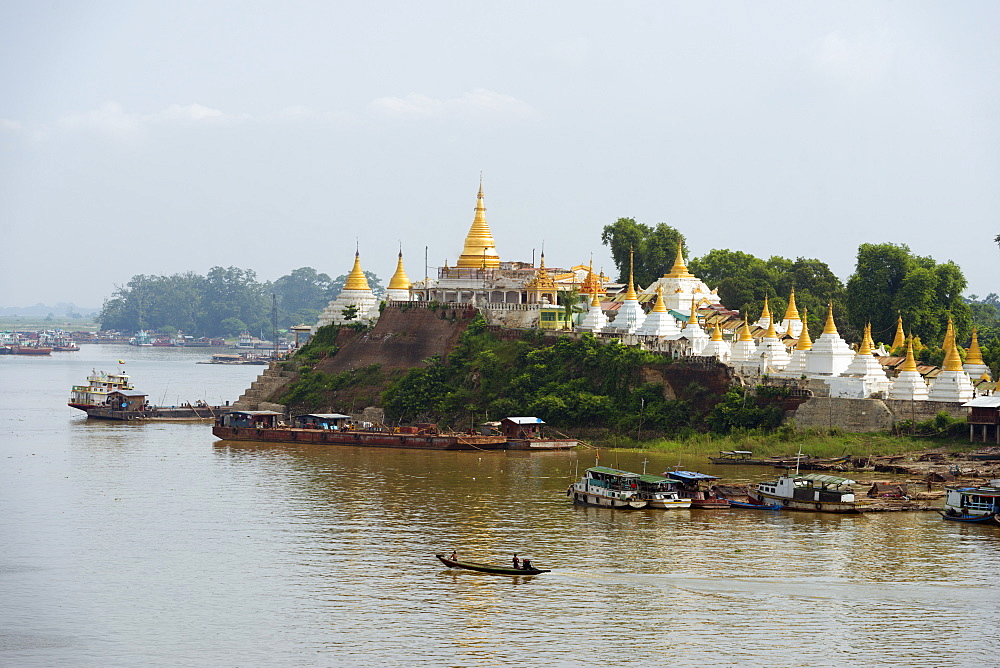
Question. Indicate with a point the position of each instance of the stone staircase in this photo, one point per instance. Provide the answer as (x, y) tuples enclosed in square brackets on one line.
[(268, 384)]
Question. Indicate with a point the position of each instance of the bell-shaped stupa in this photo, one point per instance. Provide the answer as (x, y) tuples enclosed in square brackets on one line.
[(974, 365), (595, 320), (952, 383), (745, 349), (717, 346), (630, 316), (908, 384), (830, 354), (399, 284), (355, 303), (480, 251), (659, 322)]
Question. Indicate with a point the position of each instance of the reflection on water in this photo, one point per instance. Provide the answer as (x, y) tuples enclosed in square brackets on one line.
[(128, 544)]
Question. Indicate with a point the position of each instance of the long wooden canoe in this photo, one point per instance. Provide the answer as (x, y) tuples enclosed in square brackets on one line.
[(490, 568)]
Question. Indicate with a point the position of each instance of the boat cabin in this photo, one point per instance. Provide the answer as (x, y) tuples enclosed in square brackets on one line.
[(250, 419), (521, 427), (126, 400), (811, 487), (651, 484), (735, 455), (985, 414), (331, 421), (612, 479)]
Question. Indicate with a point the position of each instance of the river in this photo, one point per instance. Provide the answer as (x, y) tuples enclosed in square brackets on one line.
[(156, 544)]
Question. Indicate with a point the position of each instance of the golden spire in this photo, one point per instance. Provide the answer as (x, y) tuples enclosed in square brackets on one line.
[(745, 334), (868, 337), (595, 301), (974, 355), (480, 250), (770, 333), (791, 313), (831, 326), (693, 318), (865, 349), (679, 270), (716, 333), (766, 313), (399, 280), (952, 360), (804, 342), (660, 306), (900, 338), (910, 364), (356, 279), (591, 284), (631, 284)]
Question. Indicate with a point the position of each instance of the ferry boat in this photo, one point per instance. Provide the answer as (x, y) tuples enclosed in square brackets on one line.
[(973, 504), (661, 493), (337, 429), (99, 386), (608, 488), (817, 492), (141, 338)]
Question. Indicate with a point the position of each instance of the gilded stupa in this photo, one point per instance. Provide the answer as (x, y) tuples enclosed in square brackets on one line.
[(908, 384), (480, 250), (974, 364), (952, 382), (679, 285), (355, 303), (791, 325), (745, 349), (399, 284), (595, 320), (830, 354), (659, 322), (630, 316)]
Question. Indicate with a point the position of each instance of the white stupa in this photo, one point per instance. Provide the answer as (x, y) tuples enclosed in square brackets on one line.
[(744, 350), (399, 284), (630, 316), (797, 366), (692, 331), (764, 321), (356, 293), (659, 322), (595, 320), (771, 353), (717, 346), (865, 376), (830, 354), (909, 384), (679, 286), (952, 383), (974, 365)]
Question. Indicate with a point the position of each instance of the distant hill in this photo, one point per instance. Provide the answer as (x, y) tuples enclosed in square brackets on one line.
[(61, 309)]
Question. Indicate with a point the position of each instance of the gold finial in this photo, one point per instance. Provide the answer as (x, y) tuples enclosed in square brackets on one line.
[(770, 333), (974, 355), (716, 333), (766, 313), (791, 313), (745, 334), (831, 326), (804, 342), (660, 306), (952, 360), (868, 337), (399, 280), (630, 295), (693, 318), (356, 279), (910, 364), (595, 301), (480, 249), (865, 349), (900, 338), (679, 270)]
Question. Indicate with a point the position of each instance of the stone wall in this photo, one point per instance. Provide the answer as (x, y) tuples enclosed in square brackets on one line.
[(865, 415)]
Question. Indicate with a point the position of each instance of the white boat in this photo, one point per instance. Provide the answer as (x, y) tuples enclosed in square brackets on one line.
[(973, 504), (809, 491), (99, 386), (608, 488), (141, 338), (661, 492)]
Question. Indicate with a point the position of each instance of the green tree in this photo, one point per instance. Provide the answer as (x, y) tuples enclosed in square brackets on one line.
[(655, 248)]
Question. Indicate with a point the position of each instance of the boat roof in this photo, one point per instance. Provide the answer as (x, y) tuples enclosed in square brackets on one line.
[(690, 475), (130, 393), (527, 420), (826, 479), (609, 471), (654, 479), (983, 402), (735, 452), (254, 413), (324, 416)]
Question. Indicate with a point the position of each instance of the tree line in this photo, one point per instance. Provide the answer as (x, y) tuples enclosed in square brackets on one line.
[(224, 302)]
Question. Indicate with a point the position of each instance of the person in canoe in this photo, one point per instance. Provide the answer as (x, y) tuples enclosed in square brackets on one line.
[(517, 562), (526, 565), (454, 555)]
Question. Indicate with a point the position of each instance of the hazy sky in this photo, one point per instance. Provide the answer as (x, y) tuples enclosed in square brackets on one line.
[(162, 137)]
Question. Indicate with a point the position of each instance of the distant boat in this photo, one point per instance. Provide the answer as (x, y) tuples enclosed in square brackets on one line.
[(99, 386), (809, 491), (608, 488), (973, 504), (490, 568)]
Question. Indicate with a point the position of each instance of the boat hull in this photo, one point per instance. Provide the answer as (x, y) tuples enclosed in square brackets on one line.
[(592, 498), (669, 504), (489, 568), (991, 518), (843, 507), (361, 438)]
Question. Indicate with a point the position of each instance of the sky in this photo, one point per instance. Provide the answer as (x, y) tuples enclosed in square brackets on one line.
[(165, 137)]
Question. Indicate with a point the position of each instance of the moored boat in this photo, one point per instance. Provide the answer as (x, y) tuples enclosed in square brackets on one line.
[(337, 429), (973, 504), (809, 491), (689, 486), (489, 568), (608, 488)]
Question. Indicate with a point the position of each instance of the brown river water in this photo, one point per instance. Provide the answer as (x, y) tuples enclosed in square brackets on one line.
[(156, 544)]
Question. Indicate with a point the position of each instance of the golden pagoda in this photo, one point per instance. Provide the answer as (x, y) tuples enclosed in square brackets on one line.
[(974, 355), (910, 364), (630, 294), (900, 338), (791, 313), (830, 327), (679, 270), (592, 285), (399, 280), (804, 342), (542, 285), (356, 279), (480, 250)]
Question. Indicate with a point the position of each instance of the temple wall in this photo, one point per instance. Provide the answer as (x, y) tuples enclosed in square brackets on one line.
[(864, 415)]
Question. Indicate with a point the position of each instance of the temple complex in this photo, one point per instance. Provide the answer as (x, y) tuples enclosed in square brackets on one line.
[(356, 297)]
